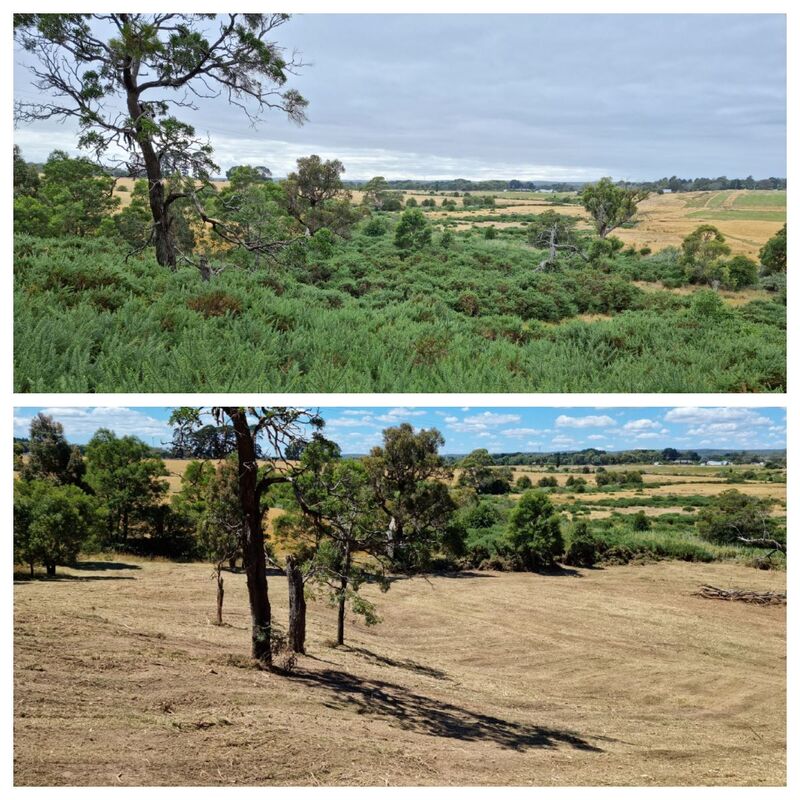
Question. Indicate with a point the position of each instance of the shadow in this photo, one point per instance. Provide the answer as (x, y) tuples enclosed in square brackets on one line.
[(411, 666), (102, 565), (25, 577), (429, 575), (415, 712), (558, 571)]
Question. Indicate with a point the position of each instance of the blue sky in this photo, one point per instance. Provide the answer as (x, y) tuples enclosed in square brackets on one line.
[(497, 429), (530, 96)]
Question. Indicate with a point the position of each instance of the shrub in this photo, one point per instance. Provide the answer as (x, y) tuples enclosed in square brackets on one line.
[(376, 226), (523, 483), (484, 515), (534, 531), (742, 272), (641, 522), (413, 231), (732, 515), (215, 304), (582, 550)]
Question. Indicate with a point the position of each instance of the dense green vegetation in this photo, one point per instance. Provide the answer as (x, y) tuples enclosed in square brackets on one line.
[(622, 538), (465, 313)]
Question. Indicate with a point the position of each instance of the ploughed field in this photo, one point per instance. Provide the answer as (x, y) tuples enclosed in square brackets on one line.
[(615, 676)]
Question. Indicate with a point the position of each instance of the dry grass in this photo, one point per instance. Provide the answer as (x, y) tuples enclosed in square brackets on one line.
[(665, 220), (615, 676)]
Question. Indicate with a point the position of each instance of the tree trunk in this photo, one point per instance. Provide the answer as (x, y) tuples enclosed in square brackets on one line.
[(232, 563), (163, 238), (220, 593), (255, 562), (342, 598), (32, 573), (297, 606), (51, 570)]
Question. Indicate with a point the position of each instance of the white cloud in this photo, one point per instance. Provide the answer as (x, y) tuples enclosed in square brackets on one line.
[(81, 423), (521, 432), (641, 425), (698, 416), (348, 422), (395, 415), (597, 421), (483, 422)]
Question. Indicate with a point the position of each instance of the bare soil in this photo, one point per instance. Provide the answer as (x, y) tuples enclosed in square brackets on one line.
[(617, 676)]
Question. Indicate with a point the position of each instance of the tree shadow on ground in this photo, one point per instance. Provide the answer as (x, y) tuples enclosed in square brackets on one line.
[(386, 661), (60, 577), (420, 714), (97, 566), (428, 575), (558, 571)]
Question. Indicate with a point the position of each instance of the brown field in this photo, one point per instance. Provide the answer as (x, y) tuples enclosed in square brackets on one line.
[(663, 220), (603, 513), (616, 676)]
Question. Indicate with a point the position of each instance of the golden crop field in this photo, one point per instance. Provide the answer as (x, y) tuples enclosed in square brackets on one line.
[(746, 218)]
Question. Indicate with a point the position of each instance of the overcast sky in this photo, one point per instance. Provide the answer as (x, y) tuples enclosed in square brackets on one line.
[(497, 429), (546, 97)]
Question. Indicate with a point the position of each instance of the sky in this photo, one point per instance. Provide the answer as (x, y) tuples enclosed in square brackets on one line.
[(533, 97), (499, 430)]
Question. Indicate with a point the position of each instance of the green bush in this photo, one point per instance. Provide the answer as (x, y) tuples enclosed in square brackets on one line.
[(534, 531), (582, 549)]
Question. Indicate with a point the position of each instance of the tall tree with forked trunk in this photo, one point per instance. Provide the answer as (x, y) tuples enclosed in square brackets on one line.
[(123, 77)]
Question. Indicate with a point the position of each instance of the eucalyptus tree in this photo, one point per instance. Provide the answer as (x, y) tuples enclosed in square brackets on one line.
[(407, 476), (126, 80), (348, 529), (278, 428), (317, 198), (610, 205)]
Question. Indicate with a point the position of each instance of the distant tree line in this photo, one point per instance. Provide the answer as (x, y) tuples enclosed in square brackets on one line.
[(674, 184)]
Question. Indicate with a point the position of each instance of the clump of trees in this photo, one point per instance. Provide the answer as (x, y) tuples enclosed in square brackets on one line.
[(63, 501), (73, 196), (618, 478), (705, 261), (346, 523)]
